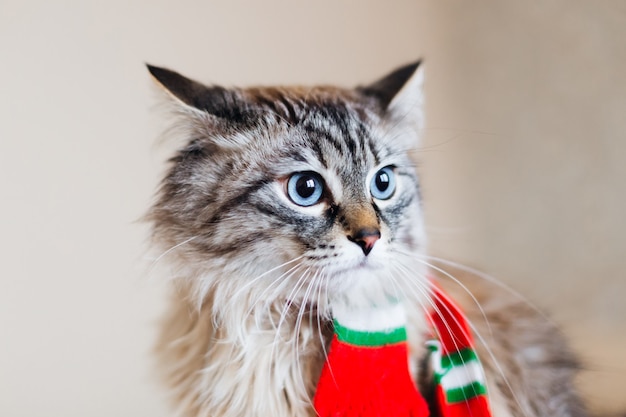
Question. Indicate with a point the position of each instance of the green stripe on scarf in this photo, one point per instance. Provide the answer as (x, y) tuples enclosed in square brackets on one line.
[(366, 338), (459, 358), (462, 394)]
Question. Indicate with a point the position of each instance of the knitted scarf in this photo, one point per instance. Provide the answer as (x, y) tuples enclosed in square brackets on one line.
[(366, 373)]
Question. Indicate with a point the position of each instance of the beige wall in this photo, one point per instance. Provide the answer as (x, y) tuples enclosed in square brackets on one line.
[(521, 163), (524, 164)]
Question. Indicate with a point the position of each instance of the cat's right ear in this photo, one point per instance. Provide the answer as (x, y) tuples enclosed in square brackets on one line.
[(180, 88), (213, 100), (208, 111)]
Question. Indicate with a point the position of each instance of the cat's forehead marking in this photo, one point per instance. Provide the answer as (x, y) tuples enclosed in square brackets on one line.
[(343, 144), (333, 127)]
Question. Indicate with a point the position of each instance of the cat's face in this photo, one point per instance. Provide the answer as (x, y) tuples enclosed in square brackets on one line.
[(306, 190)]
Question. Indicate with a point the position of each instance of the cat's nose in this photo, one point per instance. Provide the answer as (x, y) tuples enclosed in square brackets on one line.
[(366, 238)]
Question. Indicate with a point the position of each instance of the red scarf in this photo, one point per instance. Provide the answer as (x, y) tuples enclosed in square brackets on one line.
[(367, 372)]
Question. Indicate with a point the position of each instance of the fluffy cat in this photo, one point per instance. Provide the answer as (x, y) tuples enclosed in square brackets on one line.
[(280, 200)]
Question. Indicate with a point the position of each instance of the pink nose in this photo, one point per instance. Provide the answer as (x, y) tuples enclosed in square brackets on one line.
[(366, 238)]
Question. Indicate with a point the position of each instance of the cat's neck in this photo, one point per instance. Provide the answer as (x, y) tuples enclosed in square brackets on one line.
[(253, 355)]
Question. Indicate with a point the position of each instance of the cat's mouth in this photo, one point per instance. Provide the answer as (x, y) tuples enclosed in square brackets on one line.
[(365, 264)]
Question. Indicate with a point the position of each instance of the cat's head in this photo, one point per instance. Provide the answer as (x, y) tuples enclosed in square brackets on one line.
[(303, 192)]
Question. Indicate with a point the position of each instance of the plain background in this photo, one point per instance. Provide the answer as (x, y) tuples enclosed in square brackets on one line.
[(522, 165)]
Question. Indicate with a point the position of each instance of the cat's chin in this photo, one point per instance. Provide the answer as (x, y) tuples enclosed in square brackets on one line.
[(368, 283)]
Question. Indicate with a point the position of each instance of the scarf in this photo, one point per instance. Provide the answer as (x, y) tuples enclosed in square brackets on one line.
[(366, 373)]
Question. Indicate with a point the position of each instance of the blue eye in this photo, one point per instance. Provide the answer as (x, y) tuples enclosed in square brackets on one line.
[(383, 184), (305, 188)]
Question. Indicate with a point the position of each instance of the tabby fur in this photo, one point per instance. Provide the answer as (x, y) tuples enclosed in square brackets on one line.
[(253, 273)]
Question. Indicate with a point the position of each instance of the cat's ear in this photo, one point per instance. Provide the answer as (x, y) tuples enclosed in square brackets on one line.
[(399, 94), (214, 100), (186, 91), (208, 111)]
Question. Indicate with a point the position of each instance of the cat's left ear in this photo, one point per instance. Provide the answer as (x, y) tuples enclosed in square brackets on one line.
[(399, 94)]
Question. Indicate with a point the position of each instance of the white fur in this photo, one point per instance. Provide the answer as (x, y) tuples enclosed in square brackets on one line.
[(373, 319)]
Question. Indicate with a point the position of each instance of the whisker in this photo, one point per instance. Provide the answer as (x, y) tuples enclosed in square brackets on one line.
[(425, 293), (325, 350), (283, 317), (454, 279), (285, 310), (481, 339), (254, 280), (429, 293), (298, 327), (319, 316), (166, 252), (284, 277), (435, 308), (494, 281)]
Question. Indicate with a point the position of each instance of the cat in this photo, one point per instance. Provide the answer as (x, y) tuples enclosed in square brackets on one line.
[(282, 199)]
